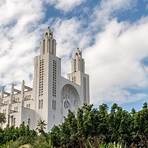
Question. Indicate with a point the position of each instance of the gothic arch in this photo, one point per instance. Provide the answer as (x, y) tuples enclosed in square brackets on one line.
[(70, 99)]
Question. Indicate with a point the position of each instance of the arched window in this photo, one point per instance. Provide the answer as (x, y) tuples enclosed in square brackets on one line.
[(44, 46)]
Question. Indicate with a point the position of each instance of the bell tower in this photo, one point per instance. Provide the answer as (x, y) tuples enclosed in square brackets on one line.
[(79, 76), (47, 72), (48, 43), (77, 62)]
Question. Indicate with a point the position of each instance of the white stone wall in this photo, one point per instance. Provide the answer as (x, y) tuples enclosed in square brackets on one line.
[(46, 100), (28, 115), (4, 109)]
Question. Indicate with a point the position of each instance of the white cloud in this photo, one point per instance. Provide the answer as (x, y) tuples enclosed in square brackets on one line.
[(117, 55), (18, 36), (114, 60), (69, 36), (113, 50), (65, 5), (20, 30), (107, 10), (13, 10)]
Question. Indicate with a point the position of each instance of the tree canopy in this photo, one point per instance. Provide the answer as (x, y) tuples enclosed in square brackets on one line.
[(89, 127), (97, 126), (2, 118)]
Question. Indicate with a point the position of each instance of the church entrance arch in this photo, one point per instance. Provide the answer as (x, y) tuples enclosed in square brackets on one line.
[(69, 98)]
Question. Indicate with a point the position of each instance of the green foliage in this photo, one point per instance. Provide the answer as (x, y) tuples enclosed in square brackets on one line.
[(145, 106), (102, 128), (41, 126), (2, 118), (41, 142), (21, 135), (88, 128)]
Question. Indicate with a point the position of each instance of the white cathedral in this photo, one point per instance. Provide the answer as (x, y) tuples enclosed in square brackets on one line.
[(52, 95)]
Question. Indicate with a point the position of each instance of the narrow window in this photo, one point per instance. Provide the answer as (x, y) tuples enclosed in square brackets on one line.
[(43, 46), (29, 122), (28, 105), (39, 104), (41, 77), (14, 121), (54, 79), (54, 104)]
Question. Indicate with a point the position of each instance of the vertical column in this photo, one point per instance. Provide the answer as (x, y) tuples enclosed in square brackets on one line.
[(54, 47), (12, 93), (2, 92), (22, 93), (46, 43)]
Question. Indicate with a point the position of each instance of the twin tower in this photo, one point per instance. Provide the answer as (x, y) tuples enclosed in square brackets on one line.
[(52, 95)]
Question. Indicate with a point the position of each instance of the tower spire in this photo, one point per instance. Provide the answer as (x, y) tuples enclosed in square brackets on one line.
[(48, 43), (78, 62)]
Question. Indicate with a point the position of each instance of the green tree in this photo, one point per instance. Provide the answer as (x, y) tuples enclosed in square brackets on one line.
[(114, 123), (125, 129), (80, 127), (145, 106), (56, 136), (140, 134), (2, 118), (133, 111), (71, 124)]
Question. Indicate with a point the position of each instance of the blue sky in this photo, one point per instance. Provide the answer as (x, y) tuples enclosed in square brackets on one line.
[(140, 9), (111, 33)]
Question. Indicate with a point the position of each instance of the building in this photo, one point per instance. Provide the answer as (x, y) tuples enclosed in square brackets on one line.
[(52, 95)]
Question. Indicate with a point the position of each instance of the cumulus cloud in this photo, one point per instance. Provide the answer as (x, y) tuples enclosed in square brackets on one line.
[(69, 36), (18, 38), (108, 9), (21, 28), (113, 50), (65, 5), (113, 61), (117, 55)]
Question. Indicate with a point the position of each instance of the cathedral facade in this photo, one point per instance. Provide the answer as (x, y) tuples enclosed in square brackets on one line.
[(52, 95)]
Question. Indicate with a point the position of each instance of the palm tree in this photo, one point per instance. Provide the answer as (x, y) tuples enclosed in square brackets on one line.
[(41, 126)]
